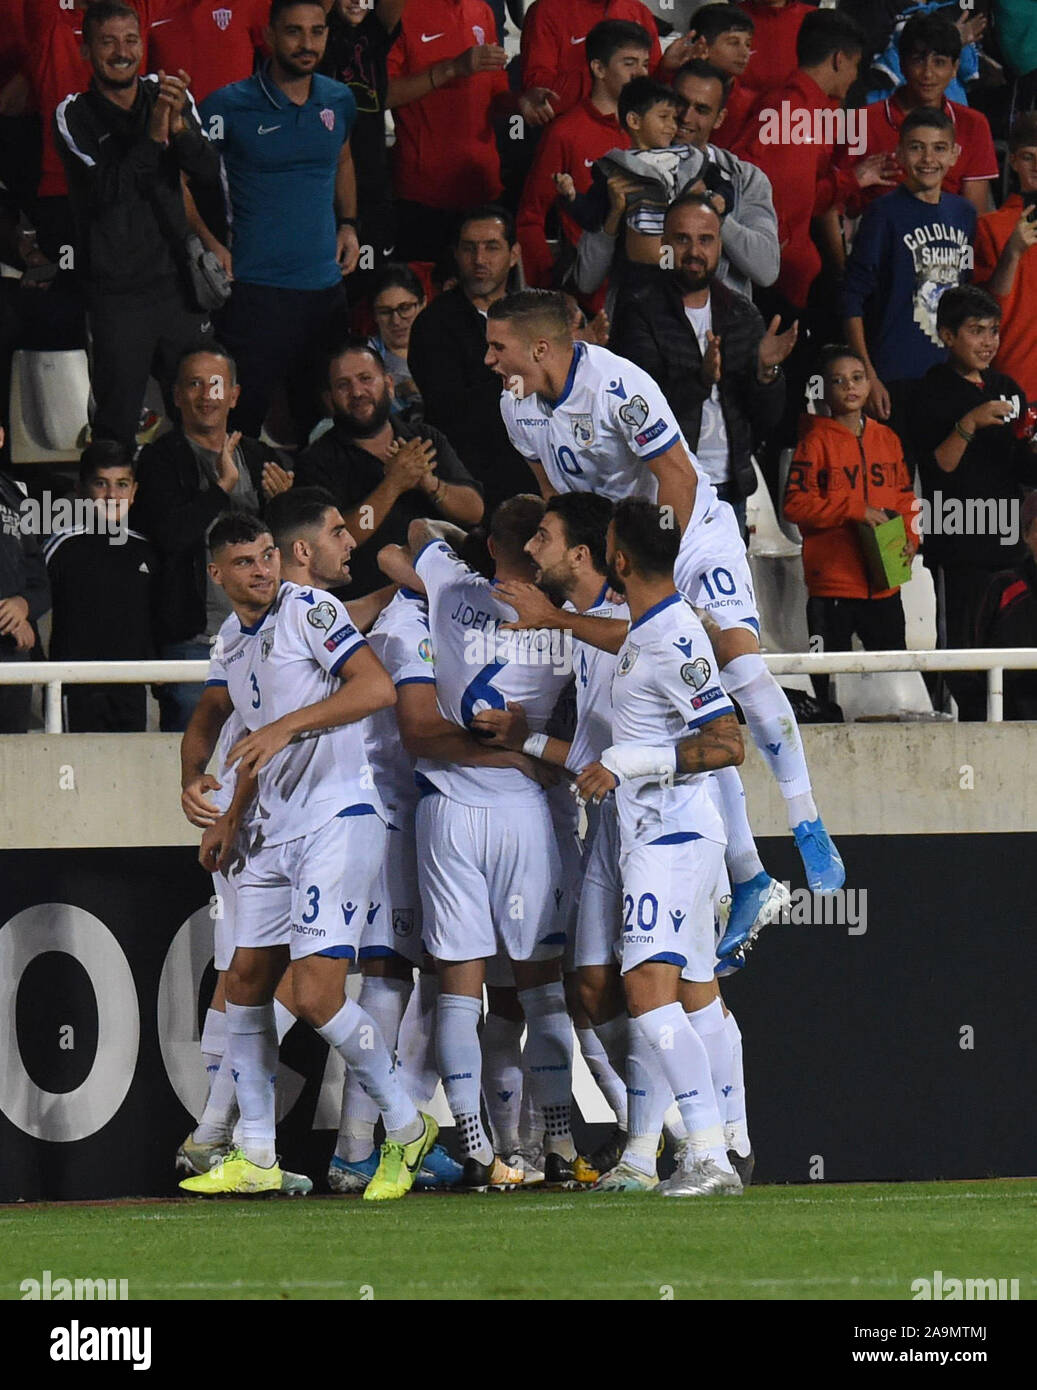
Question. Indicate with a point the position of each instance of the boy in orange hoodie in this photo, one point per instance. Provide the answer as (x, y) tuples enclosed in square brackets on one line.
[(847, 469)]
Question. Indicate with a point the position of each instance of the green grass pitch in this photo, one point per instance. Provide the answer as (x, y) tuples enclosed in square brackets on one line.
[(825, 1242)]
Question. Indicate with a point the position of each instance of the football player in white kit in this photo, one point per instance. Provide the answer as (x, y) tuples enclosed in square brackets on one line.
[(587, 420), (303, 679), (488, 860), (315, 545), (569, 552), (671, 836)]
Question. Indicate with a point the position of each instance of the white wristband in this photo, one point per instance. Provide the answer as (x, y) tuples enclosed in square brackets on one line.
[(535, 745), (629, 760)]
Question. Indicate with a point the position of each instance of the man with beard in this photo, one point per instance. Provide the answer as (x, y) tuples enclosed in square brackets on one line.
[(284, 137), (382, 474), (447, 351), (706, 346), (125, 144)]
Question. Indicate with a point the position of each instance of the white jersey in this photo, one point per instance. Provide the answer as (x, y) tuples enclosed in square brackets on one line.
[(610, 421), (400, 640), (233, 729), (289, 659), (594, 670), (479, 667), (666, 686)]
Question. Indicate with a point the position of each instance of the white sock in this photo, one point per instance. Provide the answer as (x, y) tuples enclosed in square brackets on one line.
[(711, 1026), (648, 1095), (773, 727), (548, 1060), (736, 1127), (221, 1107), (531, 1121), (741, 857), (416, 1048), (673, 1121), (284, 1020), (385, 1001), (800, 808), (460, 1065), (603, 1047), (502, 1079), (251, 1058), (214, 1039), (357, 1039), (684, 1062)]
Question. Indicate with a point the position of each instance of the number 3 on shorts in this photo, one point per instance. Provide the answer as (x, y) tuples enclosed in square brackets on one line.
[(310, 915)]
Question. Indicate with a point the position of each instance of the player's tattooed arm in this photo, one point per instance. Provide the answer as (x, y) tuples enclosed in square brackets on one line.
[(535, 610), (717, 744), (678, 483), (196, 748), (508, 728)]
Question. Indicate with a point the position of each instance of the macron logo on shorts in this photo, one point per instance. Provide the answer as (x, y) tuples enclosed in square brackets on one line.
[(337, 638)]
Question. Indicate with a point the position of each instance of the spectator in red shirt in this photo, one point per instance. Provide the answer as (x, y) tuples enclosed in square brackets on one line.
[(616, 50), (446, 82), (1006, 264), (929, 47), (804, 182), (553, 35), (213, 41), (775, 29), (725, 39)]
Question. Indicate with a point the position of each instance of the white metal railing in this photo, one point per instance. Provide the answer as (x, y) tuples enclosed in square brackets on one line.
[(994, 661)]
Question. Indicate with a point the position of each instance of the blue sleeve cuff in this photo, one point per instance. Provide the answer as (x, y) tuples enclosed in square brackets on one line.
[(345, 657), (673, 439), (708, 718)]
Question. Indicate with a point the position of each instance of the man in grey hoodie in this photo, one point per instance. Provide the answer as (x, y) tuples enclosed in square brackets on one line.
[(638, 189)]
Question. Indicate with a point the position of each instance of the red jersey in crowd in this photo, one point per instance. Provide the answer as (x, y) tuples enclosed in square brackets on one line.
[(883, 120), (1017, 355), (214, 41), (56, 67), (774, 43), (569, 145), (803, 178), (554, 39), (446, 153)]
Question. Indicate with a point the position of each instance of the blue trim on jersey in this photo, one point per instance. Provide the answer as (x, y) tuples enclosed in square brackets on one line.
[(657, 608), (708, 718), (361, 808), (557, 938), (339, 952), (223, 683), (380, 953), (436, 540), (251, 631), (412, 593), (754, 623), (424, 785), (646, 458), (666, 958), (601, 597), (416, 680), (570, 380), (677, 837), (345, 657)]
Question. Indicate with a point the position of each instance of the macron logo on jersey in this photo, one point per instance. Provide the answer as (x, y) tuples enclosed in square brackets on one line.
[(337, 638)]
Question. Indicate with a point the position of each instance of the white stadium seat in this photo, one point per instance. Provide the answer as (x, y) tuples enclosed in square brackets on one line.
[(50, 395)]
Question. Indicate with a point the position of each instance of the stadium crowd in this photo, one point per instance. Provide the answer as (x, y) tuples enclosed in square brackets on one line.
[(504, 372)]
